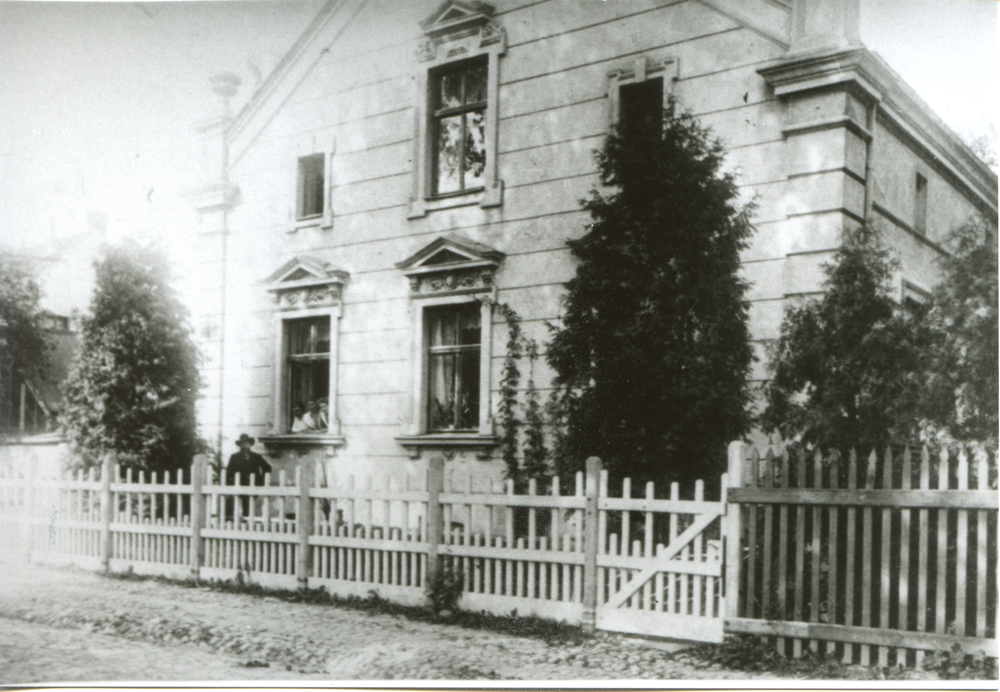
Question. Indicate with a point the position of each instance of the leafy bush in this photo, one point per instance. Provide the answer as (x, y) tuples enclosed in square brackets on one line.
[(445, 589)]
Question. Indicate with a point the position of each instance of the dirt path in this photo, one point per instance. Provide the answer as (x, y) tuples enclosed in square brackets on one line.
[(93, 628)]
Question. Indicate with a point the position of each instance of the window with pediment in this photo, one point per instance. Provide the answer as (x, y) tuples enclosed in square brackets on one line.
[(307, 295), (452, 292), (455, 142)]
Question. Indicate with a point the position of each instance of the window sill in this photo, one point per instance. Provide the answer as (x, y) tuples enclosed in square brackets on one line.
[(483, 197), (306, 222), (449, 443), (300, 441)]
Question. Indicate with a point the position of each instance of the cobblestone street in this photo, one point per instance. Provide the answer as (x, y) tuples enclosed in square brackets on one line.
[(66, 625)]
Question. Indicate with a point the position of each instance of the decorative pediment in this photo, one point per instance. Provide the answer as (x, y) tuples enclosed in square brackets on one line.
[(305, 282), (452, 263), (466, 26), (456, 17)]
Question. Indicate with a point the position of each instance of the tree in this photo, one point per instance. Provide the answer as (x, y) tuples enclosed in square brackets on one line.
[(654, 351), (21, 336), (845, 367), (959, 398), (23, 346), (133, 386)]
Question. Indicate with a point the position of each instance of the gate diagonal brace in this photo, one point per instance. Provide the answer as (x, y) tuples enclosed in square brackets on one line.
[(678, 544)]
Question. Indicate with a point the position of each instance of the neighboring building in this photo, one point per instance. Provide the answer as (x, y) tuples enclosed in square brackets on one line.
[(409, 165)]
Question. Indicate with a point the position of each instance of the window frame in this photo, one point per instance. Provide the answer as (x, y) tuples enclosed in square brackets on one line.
[(421, 388), (310, 164), (304, 288), (467, 276), (312, 147), (438, 52), (437, 115), (282, 394), (641, 69), (291, 359), (432, 351)]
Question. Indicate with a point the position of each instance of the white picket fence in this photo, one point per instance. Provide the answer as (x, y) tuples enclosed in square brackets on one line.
[(628, 564), (815, 560)]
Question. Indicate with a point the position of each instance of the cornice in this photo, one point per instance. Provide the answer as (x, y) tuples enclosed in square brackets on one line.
[(868, 76)]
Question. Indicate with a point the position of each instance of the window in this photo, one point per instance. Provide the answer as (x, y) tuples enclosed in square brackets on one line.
[(641, 106), (452, 293), (457, 99), (453, 358), (915, 299), (311, 186), (920, 210), (308, 374), (459, 129), (636, 90), (20, 409)]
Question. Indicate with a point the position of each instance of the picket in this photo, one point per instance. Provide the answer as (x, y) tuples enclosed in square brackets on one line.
[(882, 588), (879, 569)]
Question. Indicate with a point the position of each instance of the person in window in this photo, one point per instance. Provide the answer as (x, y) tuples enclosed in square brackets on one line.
[(324, 413), (246, 464), (298, 419), (311, 419)]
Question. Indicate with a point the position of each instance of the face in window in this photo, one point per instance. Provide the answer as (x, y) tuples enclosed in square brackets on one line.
[(308, 368)]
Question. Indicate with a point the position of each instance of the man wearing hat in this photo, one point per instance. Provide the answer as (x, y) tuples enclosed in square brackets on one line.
[(245, 463)]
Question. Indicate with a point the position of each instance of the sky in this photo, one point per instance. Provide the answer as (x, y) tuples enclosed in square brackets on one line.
[(98, 100)]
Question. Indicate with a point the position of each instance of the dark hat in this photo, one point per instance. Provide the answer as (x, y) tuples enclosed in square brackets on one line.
[(244, 438)]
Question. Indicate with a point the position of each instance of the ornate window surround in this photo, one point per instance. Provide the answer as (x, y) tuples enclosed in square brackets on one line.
[(454, 32), (466, 276), (304, 287), (639, 70), (307, 146)]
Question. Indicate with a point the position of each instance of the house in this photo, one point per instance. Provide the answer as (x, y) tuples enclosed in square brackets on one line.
[(409, 166)]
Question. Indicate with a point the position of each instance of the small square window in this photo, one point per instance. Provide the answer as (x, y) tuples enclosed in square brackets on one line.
[(453, 367), (459, 128), (311, 186), (308, 364)]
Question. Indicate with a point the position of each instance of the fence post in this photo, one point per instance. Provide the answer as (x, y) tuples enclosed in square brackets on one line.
[(304, 521), (197, 514), (590, 546), (435, 527), (106, 511), (733, 531)]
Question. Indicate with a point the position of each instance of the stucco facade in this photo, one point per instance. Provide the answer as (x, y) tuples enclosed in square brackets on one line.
[(324, 201)]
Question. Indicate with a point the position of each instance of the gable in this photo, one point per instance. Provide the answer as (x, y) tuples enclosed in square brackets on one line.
[(452, 16), (452, 250), (305, 271)]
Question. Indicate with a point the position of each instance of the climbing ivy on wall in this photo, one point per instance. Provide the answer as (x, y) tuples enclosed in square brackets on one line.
[(531, 459)]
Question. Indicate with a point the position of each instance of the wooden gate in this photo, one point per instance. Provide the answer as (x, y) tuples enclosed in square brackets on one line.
[(659, 563)]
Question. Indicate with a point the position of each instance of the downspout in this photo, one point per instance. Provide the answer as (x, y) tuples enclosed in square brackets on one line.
[(226, 87)]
